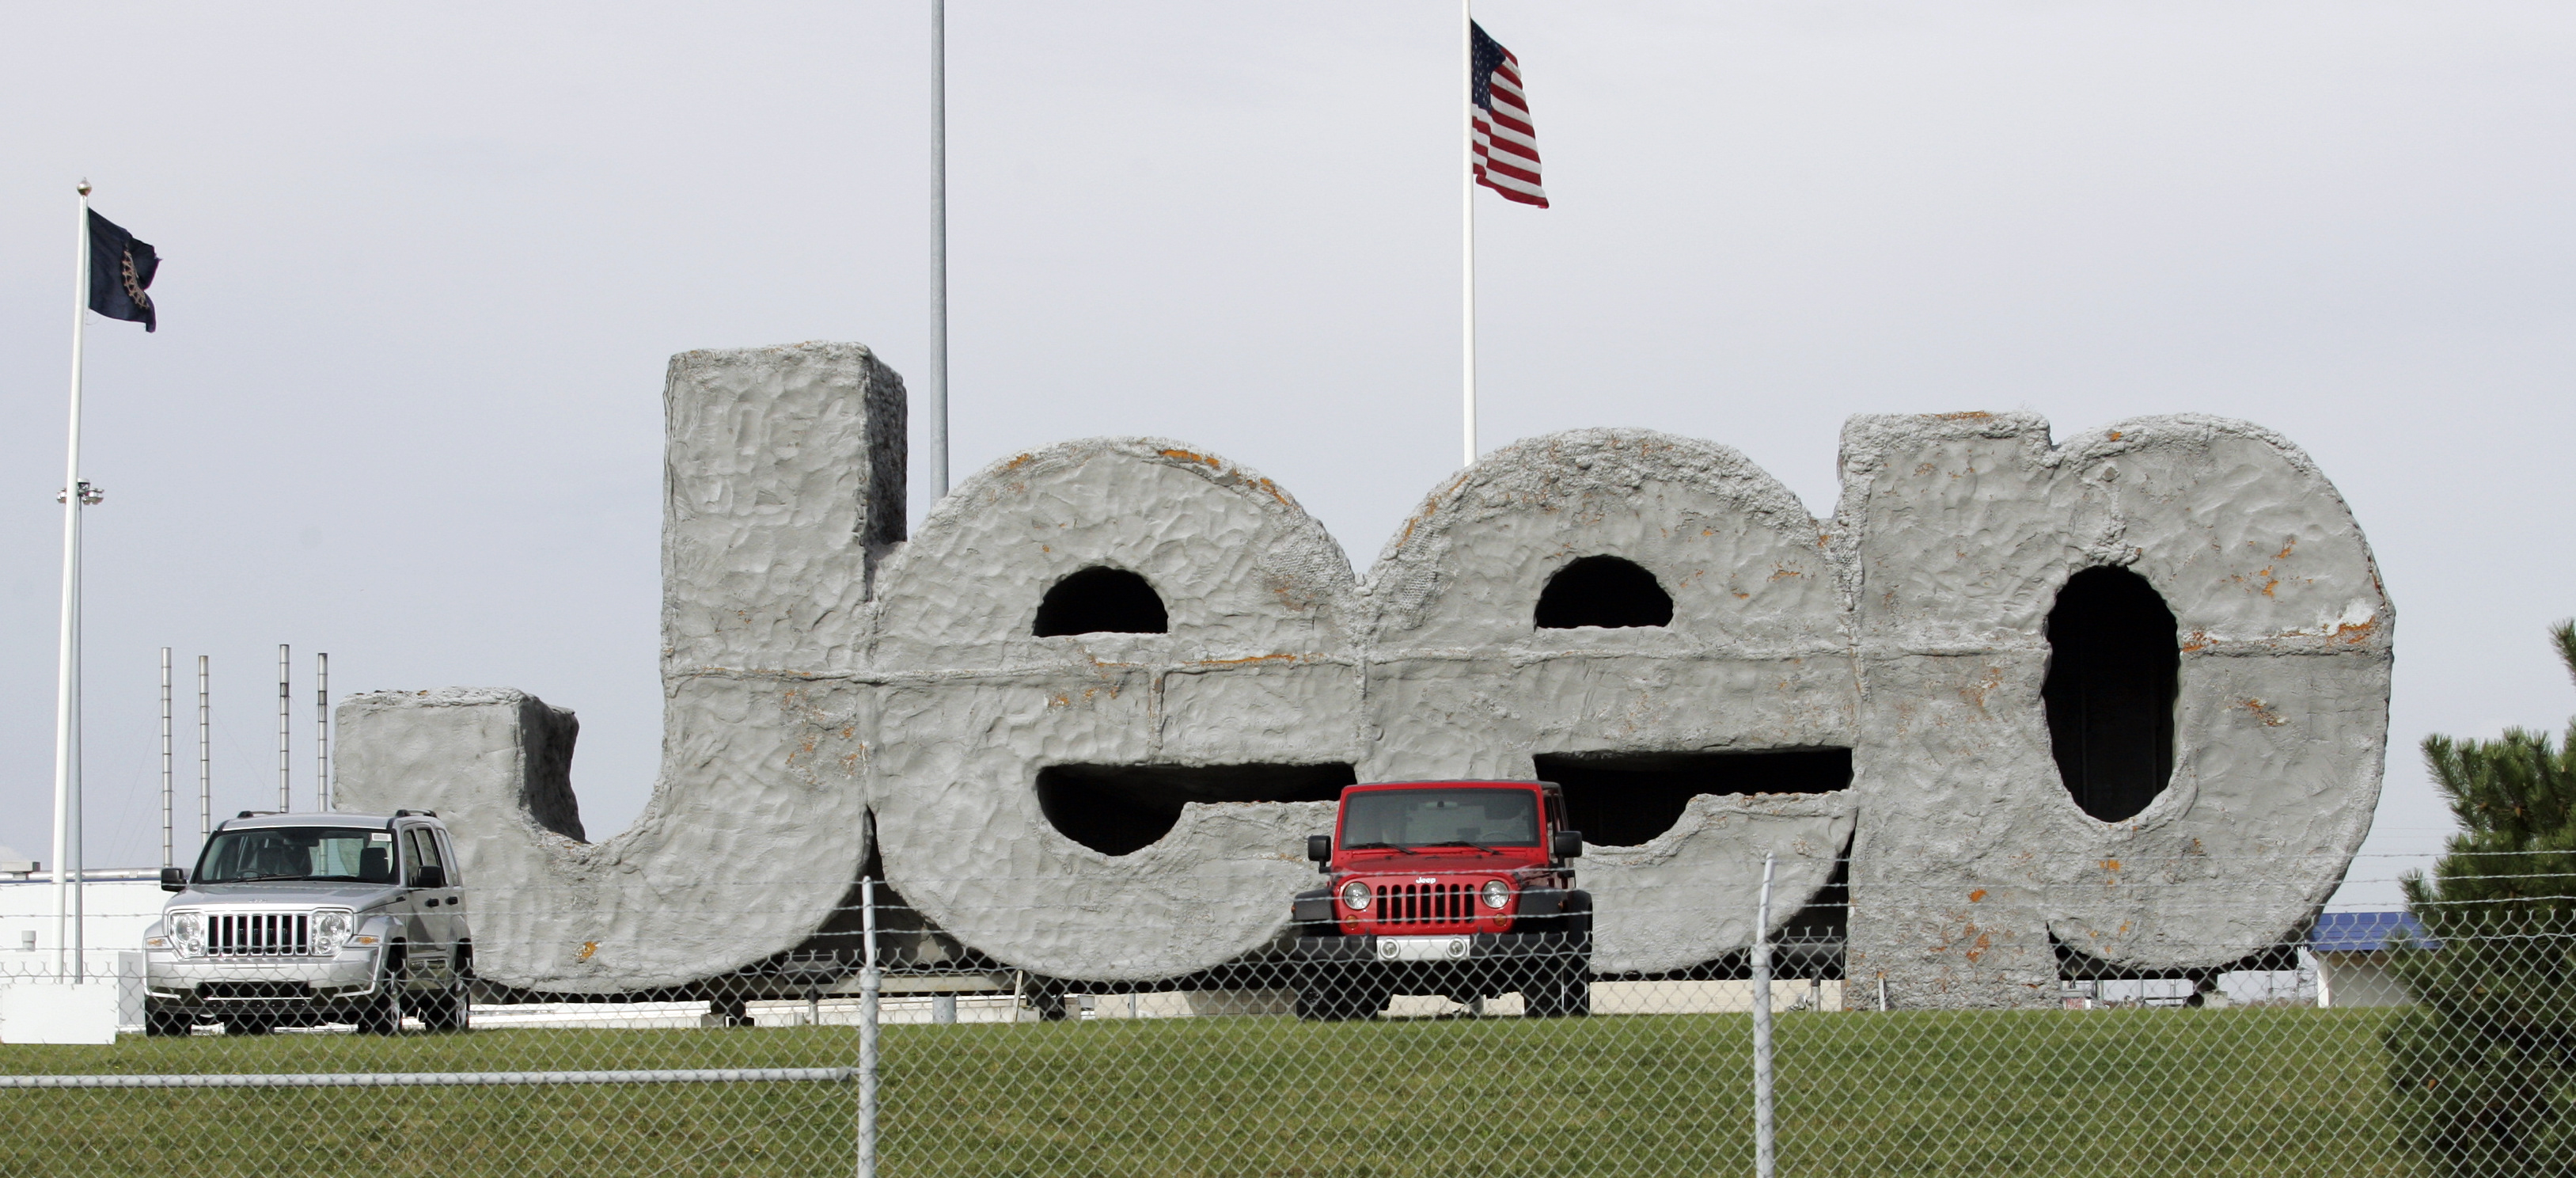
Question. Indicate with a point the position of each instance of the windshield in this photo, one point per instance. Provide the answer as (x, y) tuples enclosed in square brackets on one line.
[(335, 853), (1441, 817)]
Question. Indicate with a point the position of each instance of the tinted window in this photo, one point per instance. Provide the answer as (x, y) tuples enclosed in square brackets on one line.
[(1432, 817), (298, 852), (423, 848)]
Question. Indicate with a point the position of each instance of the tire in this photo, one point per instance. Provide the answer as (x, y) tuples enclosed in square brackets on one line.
[(383, 1013), (1558, 987), (1337, 997), (167, 1022), (453, 1009), (449, 1010), (1544, 996), (1319, 1001), (1561, 985)]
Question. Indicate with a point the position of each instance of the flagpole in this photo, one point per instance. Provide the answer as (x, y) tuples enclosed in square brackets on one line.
[(939, 245), (67, 727), (1467, 218), (285, 702), (205, 755), (167, 818)]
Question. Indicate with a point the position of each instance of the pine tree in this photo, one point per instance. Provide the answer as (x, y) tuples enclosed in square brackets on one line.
[(2482, 1069)]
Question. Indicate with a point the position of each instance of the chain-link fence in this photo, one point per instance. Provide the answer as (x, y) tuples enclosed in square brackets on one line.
[(270, 1038)]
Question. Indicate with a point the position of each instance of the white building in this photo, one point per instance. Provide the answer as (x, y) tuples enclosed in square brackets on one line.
[(117, 904), (2352, 951)]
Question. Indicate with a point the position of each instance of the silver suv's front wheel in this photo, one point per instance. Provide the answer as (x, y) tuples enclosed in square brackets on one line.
[(452, 1009), (383, 1013)]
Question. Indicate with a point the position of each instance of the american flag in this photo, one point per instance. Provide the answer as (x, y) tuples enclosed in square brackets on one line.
[(1506, 145)]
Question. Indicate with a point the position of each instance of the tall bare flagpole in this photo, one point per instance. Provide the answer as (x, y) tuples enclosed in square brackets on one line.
[(167, 818), (67, 718), (322, 732), (939, 244), (285, 800), (205, 757), (1467, 190)]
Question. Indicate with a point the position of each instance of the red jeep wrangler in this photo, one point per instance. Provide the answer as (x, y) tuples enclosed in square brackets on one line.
[(1457, 888)]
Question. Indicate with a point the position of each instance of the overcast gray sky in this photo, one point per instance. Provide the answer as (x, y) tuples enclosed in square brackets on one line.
[(426, 263)]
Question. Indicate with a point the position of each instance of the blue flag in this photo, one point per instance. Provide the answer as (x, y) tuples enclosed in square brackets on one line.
[(120, 270)]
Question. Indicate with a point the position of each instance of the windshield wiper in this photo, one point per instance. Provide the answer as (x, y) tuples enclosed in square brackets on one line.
[(258, 878), (1372, 847), (1465, 843)]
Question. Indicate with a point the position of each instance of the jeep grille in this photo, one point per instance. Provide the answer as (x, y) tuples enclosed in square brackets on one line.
[(258, 934), (1417, 903)]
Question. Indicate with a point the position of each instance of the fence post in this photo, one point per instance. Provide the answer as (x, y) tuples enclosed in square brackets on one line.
[(1765, 1152), (869, 983)]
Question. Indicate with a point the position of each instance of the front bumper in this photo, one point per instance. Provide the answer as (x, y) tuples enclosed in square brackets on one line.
[(172, 982), (1448, 947)]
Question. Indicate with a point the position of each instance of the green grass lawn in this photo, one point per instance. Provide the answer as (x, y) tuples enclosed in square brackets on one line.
[(2092, 1094)]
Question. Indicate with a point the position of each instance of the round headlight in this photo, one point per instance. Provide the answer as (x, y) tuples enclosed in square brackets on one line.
[(1355, 895), (330, 928), (189, 930), (1497, 893)]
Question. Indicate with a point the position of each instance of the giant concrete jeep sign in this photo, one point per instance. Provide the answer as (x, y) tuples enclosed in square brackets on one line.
[(1094, 707)]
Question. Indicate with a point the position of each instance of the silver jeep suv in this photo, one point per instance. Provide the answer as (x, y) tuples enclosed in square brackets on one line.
[(311, 919)]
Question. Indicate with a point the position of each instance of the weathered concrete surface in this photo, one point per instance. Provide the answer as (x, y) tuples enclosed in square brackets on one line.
[(1911, 630), (1971, 854), (1757, 656), (784, 479), (1259, 667), (1687, 896)]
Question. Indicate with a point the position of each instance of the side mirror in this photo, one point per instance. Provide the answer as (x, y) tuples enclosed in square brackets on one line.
[(174, 879), (1568, 844), (432, 876), (1319, 847)]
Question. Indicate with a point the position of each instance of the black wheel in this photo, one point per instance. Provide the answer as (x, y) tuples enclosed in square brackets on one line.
[(1558, 987), (1049, 1003), (383, 1013), (1577, 1000), (167, 1022), (1333, 996), (453, 1008), (448, 1010), (1319, 1001), (1543, 995)]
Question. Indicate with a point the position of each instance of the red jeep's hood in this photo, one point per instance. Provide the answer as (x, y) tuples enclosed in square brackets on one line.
[(1438, 860)]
